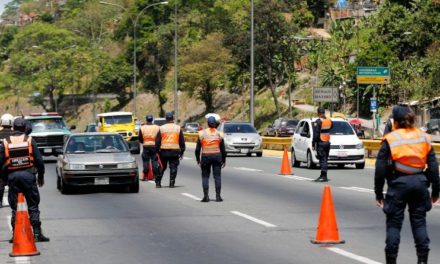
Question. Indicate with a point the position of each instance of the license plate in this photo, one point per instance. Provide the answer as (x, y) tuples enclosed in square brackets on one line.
[(102, 181), (342, 154), (244, 151), (47, 150)]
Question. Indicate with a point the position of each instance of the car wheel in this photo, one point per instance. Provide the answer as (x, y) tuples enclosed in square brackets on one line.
[(65, 188), (58, 183), (249, 154), (134, 187), (310, 164), (295, 163), (341, 166), (360, 165), (259, 154)]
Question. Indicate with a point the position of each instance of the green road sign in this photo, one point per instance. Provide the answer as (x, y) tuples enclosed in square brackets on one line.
[(373, 75)]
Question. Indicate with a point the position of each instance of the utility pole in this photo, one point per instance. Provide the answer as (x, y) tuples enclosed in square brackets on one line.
[(252, 117), (176, 87)]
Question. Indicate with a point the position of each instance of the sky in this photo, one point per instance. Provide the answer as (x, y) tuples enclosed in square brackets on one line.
[(2, 5)]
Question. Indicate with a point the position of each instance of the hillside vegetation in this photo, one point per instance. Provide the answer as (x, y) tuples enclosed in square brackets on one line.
[(84, 46)]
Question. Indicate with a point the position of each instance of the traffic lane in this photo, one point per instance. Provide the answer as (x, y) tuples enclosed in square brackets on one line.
[(293, 204), (116, 228)]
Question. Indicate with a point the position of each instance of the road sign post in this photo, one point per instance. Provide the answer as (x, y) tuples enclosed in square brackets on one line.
[(373, 104), (326, 95)]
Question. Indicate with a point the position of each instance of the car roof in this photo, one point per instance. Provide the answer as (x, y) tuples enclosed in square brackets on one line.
[(236, 122), (316, 118), (114, 114), (42, 117), (96, 134)]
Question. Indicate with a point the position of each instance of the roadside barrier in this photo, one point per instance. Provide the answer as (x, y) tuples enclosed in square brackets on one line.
[(278, 143), (23, 242), (286, 168), (327, 232)]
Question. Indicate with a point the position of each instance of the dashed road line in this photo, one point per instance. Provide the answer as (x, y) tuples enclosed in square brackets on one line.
[(253, 219), (247, 169), (352, 256), (22, 260), (299, 178), (9, 217), (358, 189), (5, 201), (186, 158), (191, 196)]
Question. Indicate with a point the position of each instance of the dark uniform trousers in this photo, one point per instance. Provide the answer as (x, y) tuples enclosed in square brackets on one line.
[(2, 186), (214, 161), (24, 181), (167, 158), (323, 150), (150, 154), (411, 190)]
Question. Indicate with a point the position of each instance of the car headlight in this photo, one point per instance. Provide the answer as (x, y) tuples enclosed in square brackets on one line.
[(258, 141), (130, 134), (127, 165), (75, 166), (360, 146)]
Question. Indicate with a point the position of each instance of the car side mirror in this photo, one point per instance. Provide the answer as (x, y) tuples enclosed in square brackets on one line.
[(73, 127), (260, 133), (359, 133)]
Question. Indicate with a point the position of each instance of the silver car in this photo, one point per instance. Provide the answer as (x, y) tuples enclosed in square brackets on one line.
[(241, 138), (90, 159)]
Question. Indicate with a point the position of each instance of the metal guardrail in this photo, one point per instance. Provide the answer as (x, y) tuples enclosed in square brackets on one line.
[(277, 143)]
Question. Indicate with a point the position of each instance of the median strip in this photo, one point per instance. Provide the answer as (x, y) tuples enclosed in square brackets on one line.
[(352, 256), (253, 219)]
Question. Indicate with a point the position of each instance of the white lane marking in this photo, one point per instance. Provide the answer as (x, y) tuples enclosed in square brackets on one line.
[(22, 260), (299, 178), (186, 158), (151, 182), (352, 256), (9, 222), (191, 196), (358, 189), (253, 219), (247, 169), (5, 201)]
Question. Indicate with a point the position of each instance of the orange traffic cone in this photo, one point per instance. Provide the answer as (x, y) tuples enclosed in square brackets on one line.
[(23, 244), (327, 232), (285, 165), (150, 176)]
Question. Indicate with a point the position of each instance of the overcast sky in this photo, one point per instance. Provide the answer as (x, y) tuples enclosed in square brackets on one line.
[(2, 5)]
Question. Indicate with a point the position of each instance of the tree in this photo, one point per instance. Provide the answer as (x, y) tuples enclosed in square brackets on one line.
[(205, 67)]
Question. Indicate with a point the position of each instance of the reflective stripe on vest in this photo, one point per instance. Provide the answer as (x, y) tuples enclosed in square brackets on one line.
[(18, 152), (149, 133), (170, 136), (210, 139), (326, 125), (409, 149)]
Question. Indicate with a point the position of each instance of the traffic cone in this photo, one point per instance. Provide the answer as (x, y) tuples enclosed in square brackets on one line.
[(23, 243), (150, 176), (327, 232), (285, 165)]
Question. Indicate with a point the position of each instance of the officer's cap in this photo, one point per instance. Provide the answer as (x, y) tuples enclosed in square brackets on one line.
[(399, 112), (149, 117), (321, 110), (211, 120), (169, 115), (19, 122)]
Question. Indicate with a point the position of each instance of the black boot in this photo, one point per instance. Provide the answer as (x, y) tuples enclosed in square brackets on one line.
[(205, 196), (38, 235), (172, 182), (390, 259), (422, 258), (158, 185), (218, 198), (322, 177)]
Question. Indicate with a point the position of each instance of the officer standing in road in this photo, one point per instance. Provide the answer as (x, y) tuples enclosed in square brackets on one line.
[(6, 122), (407, 161), (147, 137), (210, 144), (170, 144), (321, 142), (19, 154)]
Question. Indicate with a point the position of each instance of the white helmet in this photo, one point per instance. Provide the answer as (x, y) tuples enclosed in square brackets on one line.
[(216, 116), (7, 120)]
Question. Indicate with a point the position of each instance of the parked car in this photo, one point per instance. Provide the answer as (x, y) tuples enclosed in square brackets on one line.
[(346, 147), (90, 159), (241, 138), (90, 128), (160, 121), (282, 127), (192, 128)]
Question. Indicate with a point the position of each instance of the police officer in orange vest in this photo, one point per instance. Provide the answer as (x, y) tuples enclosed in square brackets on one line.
[(147, 137), (170, 144), (407, 161), (210, 143), (321, 142), (19, 154), (6, 122)]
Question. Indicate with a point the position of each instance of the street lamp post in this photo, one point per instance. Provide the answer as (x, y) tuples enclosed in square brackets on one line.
[(134, 21), (252, 117)]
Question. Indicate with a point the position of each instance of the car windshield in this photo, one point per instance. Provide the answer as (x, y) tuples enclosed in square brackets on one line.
[(91, 128), (193, 125), (239, 128), (341, 128), (292, 122), (81, 144), (39, 125), (160, 122), (117, 120)]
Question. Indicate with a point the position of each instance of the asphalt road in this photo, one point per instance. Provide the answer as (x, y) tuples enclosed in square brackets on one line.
[(265, 218)]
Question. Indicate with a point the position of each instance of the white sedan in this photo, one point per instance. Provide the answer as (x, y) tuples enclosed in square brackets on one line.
[(346, 148)]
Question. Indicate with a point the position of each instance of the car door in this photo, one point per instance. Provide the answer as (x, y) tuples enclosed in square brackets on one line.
[(306, 137), (297, 139)]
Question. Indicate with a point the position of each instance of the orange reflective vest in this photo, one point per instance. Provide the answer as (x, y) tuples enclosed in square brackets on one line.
[(326, 125), (210, 139), (170, 136), (149, 133), (18, 152), (409, 149)]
